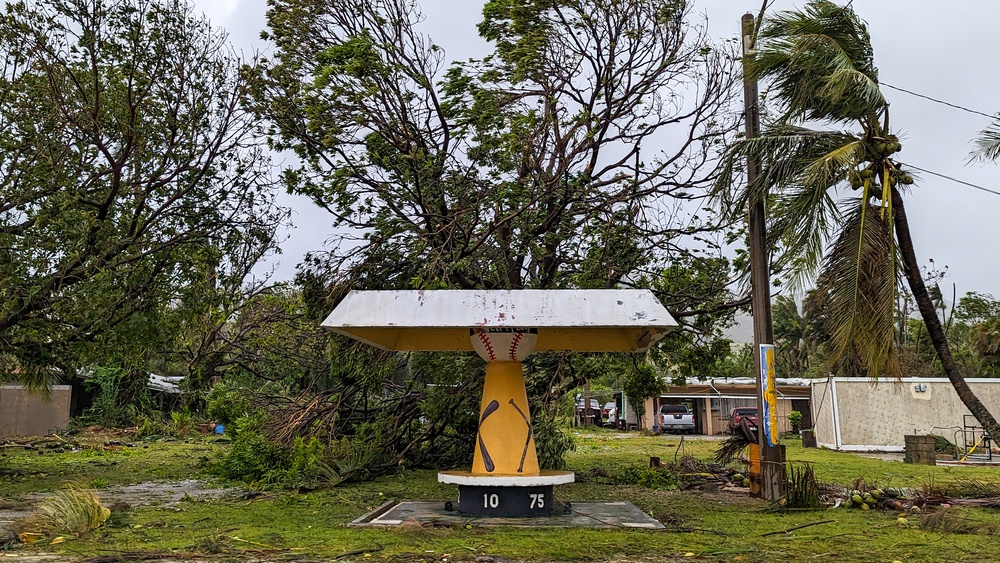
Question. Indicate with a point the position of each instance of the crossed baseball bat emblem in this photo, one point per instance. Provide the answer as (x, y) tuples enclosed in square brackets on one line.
[(490, 409)]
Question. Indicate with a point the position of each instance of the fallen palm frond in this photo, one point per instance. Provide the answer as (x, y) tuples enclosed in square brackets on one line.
[(973, 488), (732, 448), (73, 510), (988, 502), (957, 521)]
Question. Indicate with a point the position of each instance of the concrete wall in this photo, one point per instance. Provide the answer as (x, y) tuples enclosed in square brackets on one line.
[(852, 414), (28, 414)]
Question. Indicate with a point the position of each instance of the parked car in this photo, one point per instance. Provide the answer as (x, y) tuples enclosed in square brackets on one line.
[(739, 413), (595, 410), (676, 418)]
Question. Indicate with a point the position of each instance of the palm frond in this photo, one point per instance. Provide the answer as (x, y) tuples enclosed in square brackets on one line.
[(820, 62), (804, 207), (74, 510), (831, 168), (798, 168), (988, 142), (783, 152), (803, 222), (849, 83), (956, 520), (38, 378), (859, 278)]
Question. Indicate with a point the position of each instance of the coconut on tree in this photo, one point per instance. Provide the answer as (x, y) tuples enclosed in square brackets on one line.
[(831, 177)]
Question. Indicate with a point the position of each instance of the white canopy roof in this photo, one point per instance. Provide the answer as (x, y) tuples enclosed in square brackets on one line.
[(591, 320)]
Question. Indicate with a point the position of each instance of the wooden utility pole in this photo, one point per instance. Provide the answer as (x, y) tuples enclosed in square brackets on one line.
[(772, 466)]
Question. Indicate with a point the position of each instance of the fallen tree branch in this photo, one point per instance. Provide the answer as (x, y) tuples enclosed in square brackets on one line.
[(792, 529), (358, 552), (685, 529), (132, 556)]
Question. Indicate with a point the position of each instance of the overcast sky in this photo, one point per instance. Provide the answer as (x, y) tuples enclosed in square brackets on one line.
[(941, 50)]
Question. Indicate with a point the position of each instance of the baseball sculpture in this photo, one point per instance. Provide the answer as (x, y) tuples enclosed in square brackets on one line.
[(504, 328)]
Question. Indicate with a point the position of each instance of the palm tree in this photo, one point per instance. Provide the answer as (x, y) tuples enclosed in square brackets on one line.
[(791, 336), (828, 170)]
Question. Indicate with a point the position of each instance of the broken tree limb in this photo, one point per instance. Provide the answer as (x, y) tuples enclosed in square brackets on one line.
[(792, 529), (358, 552)]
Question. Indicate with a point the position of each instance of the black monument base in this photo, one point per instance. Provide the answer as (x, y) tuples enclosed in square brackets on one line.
[(506, 496), (487, 500)]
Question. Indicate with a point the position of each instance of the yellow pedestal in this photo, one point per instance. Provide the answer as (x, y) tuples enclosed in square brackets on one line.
[(505, 444)]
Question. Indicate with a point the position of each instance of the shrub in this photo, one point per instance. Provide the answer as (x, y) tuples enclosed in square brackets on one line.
[(659, 478), (551, 443), (227, 403), (150, 425), (795, 419), (252, 458), (121, 398), (943, 446), (181, 422)]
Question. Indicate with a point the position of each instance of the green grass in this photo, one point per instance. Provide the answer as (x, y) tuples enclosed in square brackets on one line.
[(711, 526)]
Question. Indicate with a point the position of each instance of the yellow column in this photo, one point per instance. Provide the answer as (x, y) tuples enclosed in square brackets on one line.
[(707, 426), (505, 444)]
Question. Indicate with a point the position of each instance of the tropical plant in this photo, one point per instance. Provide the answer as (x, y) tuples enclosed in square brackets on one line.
[(795, 420), (792, 337), (639, 384), (988, 142), (819, 65), (120, 396)]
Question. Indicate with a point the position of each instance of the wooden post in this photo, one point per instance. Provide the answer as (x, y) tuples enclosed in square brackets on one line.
[(772, 464)]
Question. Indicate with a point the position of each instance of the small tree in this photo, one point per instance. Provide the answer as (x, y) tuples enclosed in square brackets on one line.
[(642, 383), (795, 419)]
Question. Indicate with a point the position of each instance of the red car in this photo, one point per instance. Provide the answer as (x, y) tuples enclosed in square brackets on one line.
[(739, 413)]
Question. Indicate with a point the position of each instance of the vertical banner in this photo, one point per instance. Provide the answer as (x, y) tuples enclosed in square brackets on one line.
[(769, 412)]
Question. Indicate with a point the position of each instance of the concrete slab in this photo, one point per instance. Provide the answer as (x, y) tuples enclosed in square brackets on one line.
[(971, 461), (576, 515)]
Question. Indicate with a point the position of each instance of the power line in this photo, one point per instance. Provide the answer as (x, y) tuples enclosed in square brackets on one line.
[(953, 179), (956, 106), (935, 100)]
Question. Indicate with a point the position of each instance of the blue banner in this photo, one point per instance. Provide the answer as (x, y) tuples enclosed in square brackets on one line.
[(769, 411)]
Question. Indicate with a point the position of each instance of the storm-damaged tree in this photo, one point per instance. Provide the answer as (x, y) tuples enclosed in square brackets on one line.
[(573, 155), (819, 68), (129, 174), (520, 169)]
